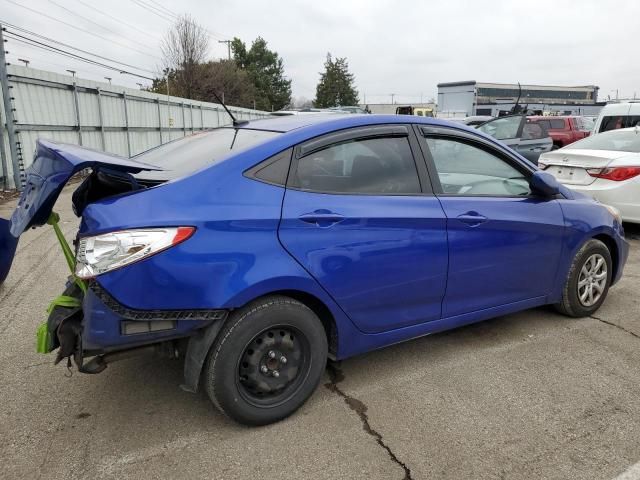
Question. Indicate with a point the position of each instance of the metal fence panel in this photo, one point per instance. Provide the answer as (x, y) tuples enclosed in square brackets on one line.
[(107, 117)]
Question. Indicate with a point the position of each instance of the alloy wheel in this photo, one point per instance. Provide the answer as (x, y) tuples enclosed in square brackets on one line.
[(592, 280)]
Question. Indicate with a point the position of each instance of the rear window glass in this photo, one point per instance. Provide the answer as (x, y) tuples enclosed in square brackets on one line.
[(186, 155), (617, 141), (533, 131), (552, 124)]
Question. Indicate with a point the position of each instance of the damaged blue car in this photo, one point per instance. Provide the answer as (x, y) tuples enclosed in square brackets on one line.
[(257, 251)]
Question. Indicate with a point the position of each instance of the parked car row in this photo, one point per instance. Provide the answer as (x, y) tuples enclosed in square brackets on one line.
[(310, 110), (605, 166)]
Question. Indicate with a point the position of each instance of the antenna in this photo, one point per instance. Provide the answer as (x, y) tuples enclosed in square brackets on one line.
[(516, 107), (236, 123)]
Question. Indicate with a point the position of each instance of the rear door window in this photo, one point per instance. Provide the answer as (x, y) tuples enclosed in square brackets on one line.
[(374, 166)]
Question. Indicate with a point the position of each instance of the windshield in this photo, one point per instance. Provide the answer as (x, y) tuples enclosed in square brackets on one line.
[(188, 154), (615, 140)]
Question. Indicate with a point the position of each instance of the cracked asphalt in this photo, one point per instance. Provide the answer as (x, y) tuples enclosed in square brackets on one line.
[(530, 395)]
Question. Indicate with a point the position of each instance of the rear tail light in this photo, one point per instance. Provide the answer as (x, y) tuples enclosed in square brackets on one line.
[(617, 174), (106, 252)]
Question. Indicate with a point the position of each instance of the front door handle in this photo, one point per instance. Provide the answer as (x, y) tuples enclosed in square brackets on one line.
[(473, 219), (322, 218)]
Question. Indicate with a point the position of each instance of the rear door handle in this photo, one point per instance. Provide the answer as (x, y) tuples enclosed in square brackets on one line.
[(322, 218), (473, 219)]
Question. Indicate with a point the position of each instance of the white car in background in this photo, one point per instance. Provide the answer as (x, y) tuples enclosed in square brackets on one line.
[(604, 166)]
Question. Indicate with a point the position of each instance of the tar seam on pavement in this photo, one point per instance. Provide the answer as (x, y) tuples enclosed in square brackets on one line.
[(336, 376), (615, 325)]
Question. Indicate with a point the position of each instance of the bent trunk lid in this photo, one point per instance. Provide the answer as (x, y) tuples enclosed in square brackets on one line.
[(54, 164)]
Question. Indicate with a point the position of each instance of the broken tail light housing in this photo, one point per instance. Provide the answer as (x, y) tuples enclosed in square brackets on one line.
[(103, 253)]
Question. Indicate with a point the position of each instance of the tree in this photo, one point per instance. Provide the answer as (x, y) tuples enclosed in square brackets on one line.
[(183, 48), (336, 85), (265, 68), (226, 80), (222, 77)]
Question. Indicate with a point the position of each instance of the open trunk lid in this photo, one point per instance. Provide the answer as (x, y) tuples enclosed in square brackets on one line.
[(54, 164), (570, 166)]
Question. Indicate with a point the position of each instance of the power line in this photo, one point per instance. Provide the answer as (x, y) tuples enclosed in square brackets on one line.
[(162, 7), (44, 46), (135, 28), (29, 32), (37, 60), (154, 10), (172, 17), (83, 30), (96, 23)]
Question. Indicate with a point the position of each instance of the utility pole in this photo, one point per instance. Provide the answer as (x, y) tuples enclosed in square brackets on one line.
[(392, 95), (26, 62), (8, 112), (228, 42), (72, 72), (108, 79)]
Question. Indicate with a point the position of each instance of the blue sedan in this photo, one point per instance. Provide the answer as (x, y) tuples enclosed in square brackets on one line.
[(258, 251)]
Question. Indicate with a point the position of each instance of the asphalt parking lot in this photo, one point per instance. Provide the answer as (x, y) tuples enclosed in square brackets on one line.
[(531, 395)]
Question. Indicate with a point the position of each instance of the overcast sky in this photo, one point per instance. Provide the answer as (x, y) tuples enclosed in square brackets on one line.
[(400, 47)]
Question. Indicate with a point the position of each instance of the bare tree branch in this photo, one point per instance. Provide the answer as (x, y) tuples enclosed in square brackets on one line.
[(183, 48)]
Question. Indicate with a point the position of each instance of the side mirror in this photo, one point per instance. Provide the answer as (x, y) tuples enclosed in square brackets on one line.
[(544, 184)]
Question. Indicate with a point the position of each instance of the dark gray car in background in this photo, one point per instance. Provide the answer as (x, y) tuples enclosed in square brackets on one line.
[(529, 139)]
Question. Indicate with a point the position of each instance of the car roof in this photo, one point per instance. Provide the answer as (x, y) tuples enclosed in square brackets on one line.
[(293, 122), (551, 117), (622, 108)]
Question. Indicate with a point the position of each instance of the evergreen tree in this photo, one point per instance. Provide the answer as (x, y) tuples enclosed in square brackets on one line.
[(265, 68), (336, 86)]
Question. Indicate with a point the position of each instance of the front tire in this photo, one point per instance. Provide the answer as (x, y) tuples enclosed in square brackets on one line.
[(588, 281), (267, 361)]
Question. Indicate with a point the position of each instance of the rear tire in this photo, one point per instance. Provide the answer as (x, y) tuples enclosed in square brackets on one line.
[(588, 281), (267, 361)]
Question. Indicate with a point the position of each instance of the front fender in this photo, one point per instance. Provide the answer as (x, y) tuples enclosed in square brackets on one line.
[(586, 219)]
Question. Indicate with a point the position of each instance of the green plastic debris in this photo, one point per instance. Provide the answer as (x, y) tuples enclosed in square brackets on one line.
[(64, 301), (43, 339), (54, 220), (44, 342)]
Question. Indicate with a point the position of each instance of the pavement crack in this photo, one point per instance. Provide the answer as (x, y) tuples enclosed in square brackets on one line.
[(620, 327), (336, 376)]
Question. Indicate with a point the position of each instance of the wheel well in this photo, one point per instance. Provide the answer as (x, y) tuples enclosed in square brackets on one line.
[(613, 250), (321, 310)]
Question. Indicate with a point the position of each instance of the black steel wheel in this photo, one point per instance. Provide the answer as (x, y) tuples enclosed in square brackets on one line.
[(268, 359), (273, 365)]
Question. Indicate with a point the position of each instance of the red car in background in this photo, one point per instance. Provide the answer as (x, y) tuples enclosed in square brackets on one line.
[(566, 129)]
